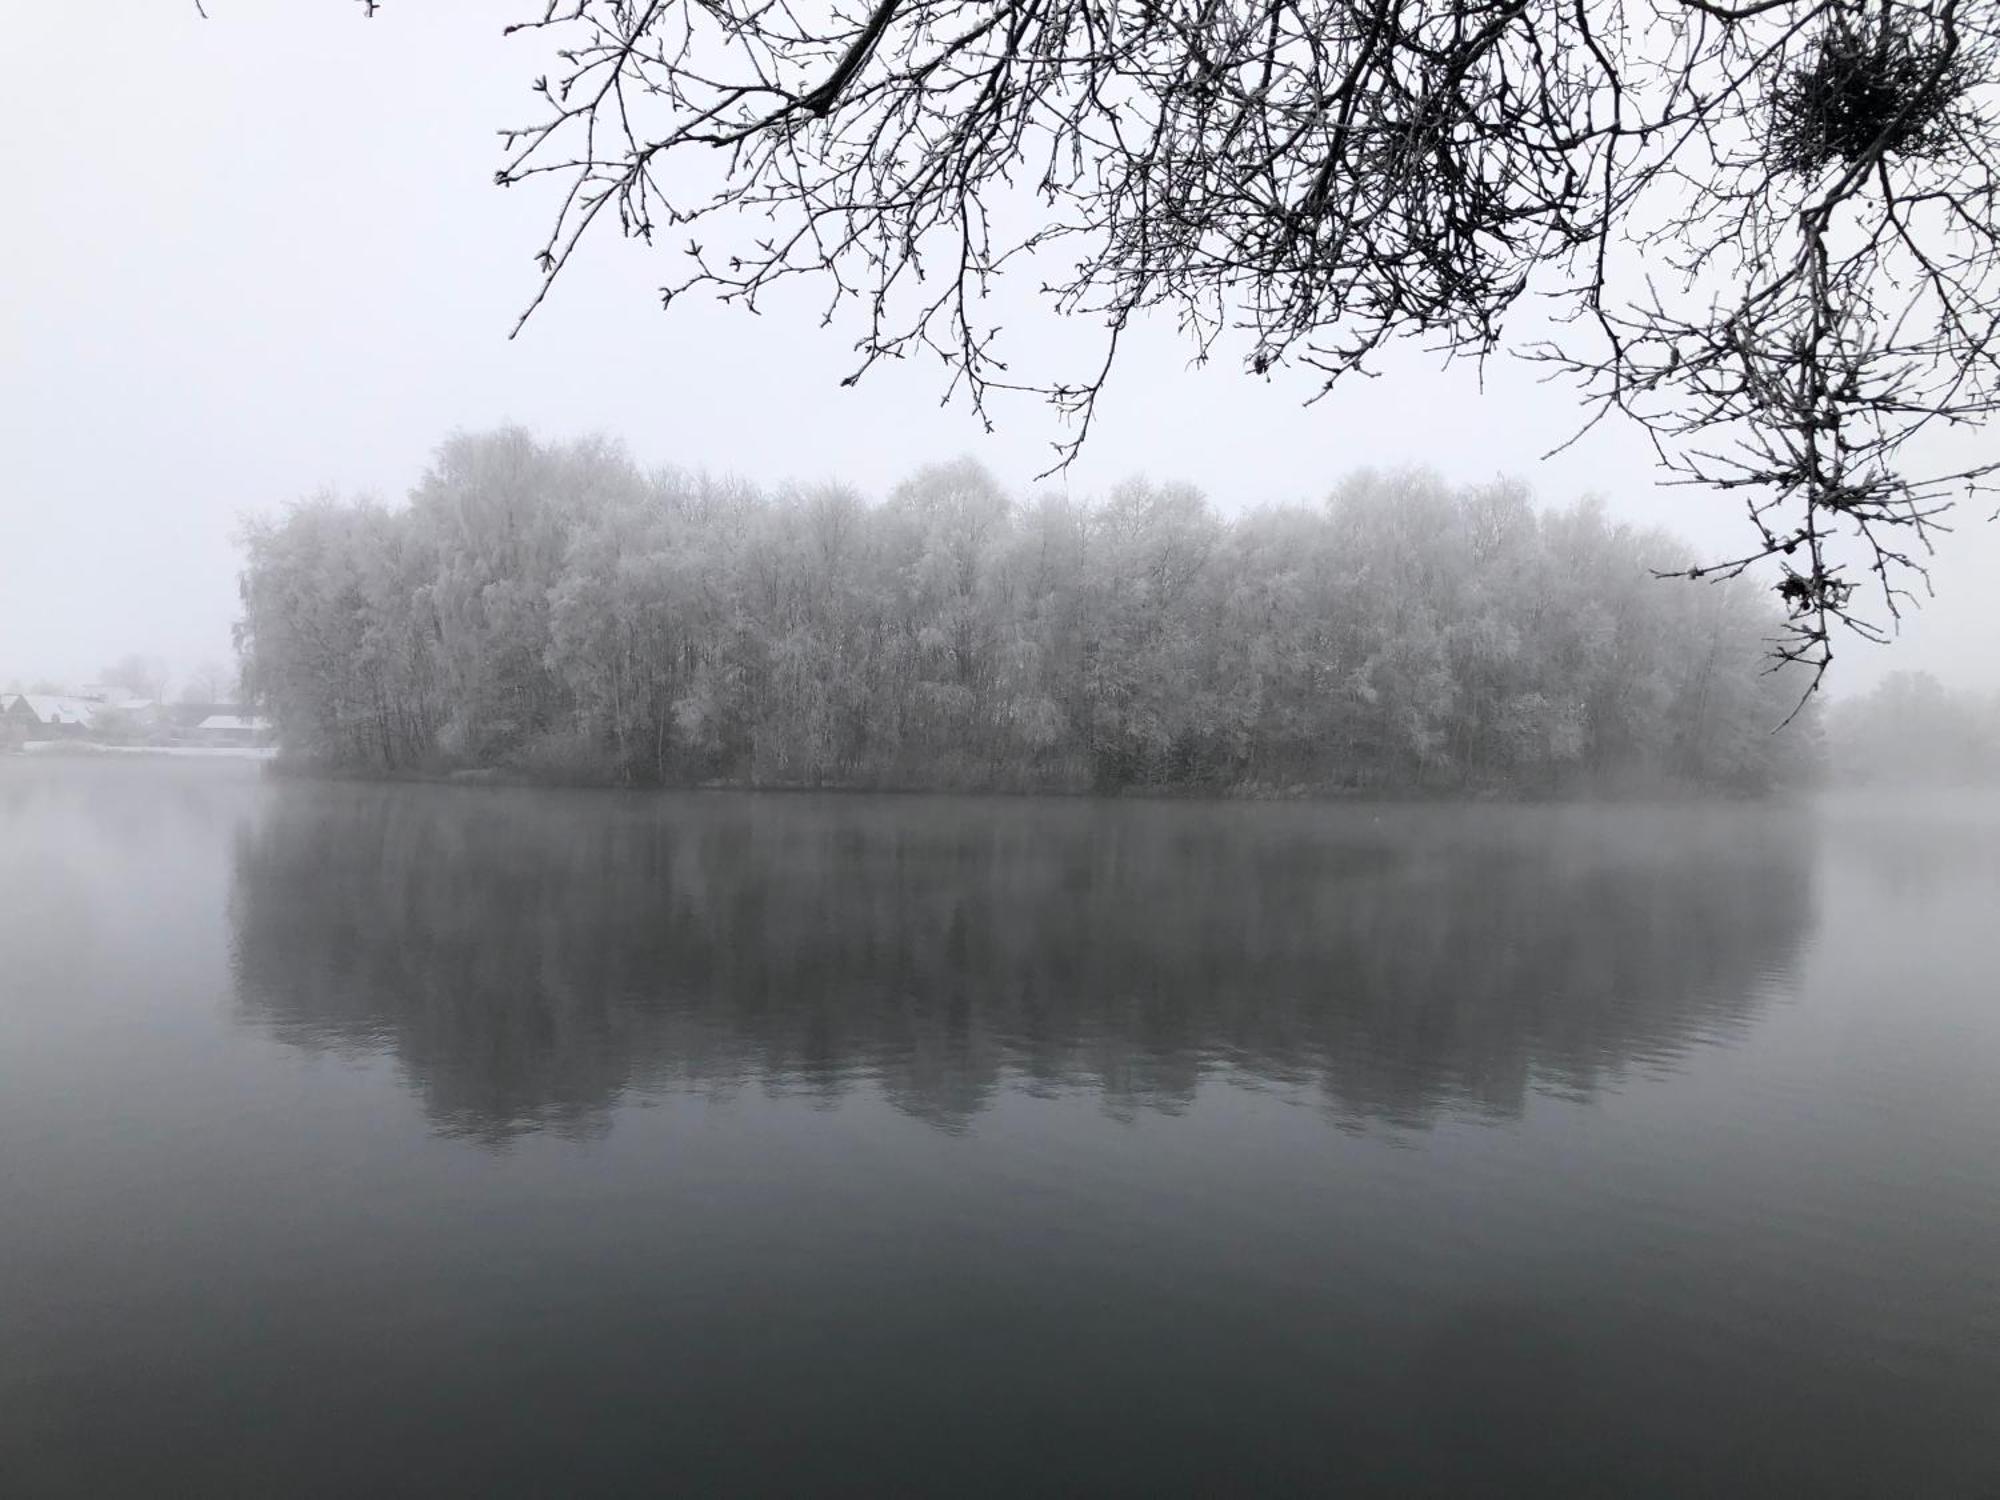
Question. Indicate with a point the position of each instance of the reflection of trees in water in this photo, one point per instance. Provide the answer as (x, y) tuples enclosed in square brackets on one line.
[(530, 957)]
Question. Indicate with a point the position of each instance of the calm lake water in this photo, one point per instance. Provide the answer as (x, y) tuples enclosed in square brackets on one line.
[(446, 1140)]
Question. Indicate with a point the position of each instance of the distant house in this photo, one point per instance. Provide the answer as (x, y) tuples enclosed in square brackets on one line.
[(50, 712), (234, 729)]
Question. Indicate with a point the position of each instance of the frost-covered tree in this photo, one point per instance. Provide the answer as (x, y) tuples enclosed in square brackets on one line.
[(553, 608)]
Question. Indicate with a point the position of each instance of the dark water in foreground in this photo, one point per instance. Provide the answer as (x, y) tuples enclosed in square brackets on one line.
[(428, 1141)]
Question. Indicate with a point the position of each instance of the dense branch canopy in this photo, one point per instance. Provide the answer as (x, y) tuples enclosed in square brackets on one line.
[(1766, 227)]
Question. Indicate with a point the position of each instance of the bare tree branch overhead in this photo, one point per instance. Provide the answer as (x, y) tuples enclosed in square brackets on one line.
[(1764, 231)]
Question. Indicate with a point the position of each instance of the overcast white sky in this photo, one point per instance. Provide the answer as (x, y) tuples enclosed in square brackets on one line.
[(256, 256)]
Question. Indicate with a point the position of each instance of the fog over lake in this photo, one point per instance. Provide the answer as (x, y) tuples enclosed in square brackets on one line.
[(443, 1139), (1105, 749)]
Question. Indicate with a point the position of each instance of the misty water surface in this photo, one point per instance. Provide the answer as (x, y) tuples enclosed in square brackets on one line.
[(420, 1140)]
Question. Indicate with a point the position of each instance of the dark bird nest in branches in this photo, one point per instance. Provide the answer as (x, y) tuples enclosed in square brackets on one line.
[(1868, 87)]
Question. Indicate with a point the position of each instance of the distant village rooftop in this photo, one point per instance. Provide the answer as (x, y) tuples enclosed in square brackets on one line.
[(58, 710), (80, 715)]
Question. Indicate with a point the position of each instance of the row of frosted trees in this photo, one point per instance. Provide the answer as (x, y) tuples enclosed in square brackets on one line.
[(553, 608)]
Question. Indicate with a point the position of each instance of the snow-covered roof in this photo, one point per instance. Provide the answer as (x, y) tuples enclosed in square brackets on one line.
[(235, 723), (57, 708)]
